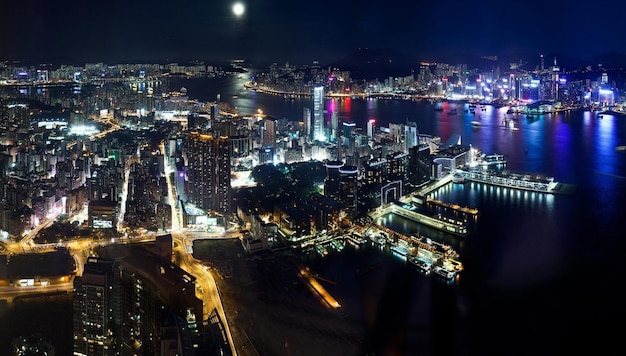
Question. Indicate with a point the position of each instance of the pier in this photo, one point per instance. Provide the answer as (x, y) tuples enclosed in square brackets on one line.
[(318, 289), (422, 247), (530, 182), (449, 227)]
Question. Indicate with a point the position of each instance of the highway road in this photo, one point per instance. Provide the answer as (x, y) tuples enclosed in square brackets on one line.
[(206, 288)]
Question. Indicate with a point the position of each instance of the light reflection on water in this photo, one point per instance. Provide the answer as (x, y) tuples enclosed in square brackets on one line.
[(523, 240)]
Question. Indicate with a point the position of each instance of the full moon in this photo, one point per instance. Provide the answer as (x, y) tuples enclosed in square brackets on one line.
[(238, 9)]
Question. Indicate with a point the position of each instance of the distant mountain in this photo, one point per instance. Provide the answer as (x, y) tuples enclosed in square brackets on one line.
[(377, 64), (609, 60), (472, 61), (382, 63), (525, 61)]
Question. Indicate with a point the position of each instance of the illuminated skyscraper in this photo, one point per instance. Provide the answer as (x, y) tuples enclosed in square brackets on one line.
[(335, 126), (318, 113), (306, 117), (348, 188), (410, 135), (555, 81), (370, 128), (209, 172), (331, 183), (269, 132)]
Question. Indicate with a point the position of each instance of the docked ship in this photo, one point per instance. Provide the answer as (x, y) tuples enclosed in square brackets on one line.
[(399, 251), (422, 265), (530, 182), (444, 273), (493, 160), (458, 178), (379, 240), (436, 253)]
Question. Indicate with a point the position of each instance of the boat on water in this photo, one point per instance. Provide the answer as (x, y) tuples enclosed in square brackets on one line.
[(321, 249), (493, 160), (399, 251), (507, 179), (421, 265), (435, 251), (444, 273), (458, 178), (612, 112), (475, 123), (620, 148), (379, 240)]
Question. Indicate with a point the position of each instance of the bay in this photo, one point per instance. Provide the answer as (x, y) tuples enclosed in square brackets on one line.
[(543, 273)]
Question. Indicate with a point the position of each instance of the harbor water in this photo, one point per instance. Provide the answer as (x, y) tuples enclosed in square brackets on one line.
[(542, 273)]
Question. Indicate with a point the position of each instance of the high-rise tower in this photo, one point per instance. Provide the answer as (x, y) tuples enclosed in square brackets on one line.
[(209, 172), (269, 132), (318, 113), (306, 117)]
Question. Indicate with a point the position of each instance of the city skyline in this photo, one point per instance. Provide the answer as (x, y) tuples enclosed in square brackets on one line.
[(280, 31), (156, 202)]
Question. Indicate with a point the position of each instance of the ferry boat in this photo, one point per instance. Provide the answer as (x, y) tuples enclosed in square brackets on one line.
[(458, 178), (399, 251), (356, 240), (475, 123), (493, 160), (435, 251), (420, 264), (444, 273), (379, 240), (321, 249), (537, 183)]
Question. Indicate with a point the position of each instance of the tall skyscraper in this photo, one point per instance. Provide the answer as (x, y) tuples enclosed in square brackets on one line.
[(555, 81), (335, 126), (419, 167), (306, 117), (331, 183), (318, 113), (269, 132), (370, 128), (209, 172), (93, 320), (410, 135), (348, 188), (348, 139)]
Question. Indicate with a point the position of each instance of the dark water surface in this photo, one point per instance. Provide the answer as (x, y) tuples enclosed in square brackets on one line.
[(543, 273)]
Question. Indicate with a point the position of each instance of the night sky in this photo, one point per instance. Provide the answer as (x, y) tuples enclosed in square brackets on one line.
[(301, 31)]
